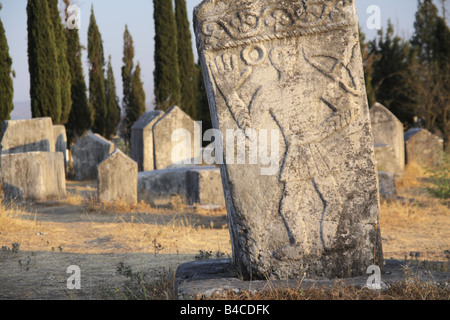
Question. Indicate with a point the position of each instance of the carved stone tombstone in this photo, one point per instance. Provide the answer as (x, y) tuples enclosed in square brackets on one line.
[(293, 68), (389, 140)]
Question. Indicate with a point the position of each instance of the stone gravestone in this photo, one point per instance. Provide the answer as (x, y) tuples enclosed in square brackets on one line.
[(117, 179), (60, 138), (142, 140), (293, 68), (174, 137), (423, 147), (37, 176), (87, 153), (20, 136), (388, 135)]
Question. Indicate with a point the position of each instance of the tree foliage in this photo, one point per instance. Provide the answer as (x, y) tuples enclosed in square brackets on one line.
[(6, 82), (61, 50), (186, 63), (45, 88), (166, 74), (81, 115), (97, 94), (112, 103)]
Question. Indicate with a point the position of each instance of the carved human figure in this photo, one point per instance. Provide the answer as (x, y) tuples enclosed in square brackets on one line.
[(303, 126)]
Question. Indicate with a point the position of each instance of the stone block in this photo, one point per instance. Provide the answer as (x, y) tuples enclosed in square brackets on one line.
[(36, 176), (87, 153), (19, 136)]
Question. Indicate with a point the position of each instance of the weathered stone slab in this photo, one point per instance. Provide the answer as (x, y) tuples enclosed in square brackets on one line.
[(87, 153), (174, 137), (60, 138), (386, 182), (188, 185), (389, 140), (204, 187), (205, 278), (293, 68), (20, 136), (423, 147), (142, 140), (37, 176), (117, 179)]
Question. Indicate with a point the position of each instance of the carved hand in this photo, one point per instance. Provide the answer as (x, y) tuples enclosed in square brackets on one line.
[(227, 73)]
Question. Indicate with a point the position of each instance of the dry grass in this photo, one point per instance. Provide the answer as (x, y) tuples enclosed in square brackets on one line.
[(408, 290), (419, 223)]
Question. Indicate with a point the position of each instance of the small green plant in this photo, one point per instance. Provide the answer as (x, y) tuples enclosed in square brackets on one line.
[(15, 248), (440, 179), (141, 285)]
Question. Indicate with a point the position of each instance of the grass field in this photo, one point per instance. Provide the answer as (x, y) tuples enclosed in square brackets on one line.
[(141, 246)]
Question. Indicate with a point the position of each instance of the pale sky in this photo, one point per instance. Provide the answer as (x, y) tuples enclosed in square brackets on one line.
[(112, 15)]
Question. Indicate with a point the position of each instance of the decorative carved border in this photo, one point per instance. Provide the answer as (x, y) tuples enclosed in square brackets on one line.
[(245, 25)]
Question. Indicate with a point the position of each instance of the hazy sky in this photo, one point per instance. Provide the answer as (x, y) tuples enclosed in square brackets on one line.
[(112, 15)]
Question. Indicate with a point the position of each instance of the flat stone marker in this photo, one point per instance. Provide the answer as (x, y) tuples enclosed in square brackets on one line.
[(423, 147), (20, 136), (36, 176), (293, 68), (87, 153), (117, 179), (388, 135), (142, 140), (173, 139)]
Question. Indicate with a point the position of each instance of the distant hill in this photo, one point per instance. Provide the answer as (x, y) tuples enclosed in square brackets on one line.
[(22, 110)]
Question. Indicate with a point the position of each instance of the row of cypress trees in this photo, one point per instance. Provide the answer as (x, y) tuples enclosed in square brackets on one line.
[(177, 79), (57, 84)]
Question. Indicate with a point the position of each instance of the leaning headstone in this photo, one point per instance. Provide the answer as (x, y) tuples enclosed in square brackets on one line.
[(388, 135), (174, 137), (386, 182), (37, 176), (87, 153), (117, 179), (423, 147), (31, 135), (293, 68), (60, 138), (142, 140)]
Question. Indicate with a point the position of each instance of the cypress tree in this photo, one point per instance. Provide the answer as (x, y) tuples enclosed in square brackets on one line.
[(186, 62), (127, 78), (6, 83), (137, 100), (166, 74), (112, 102), (45, 90), (81, 116), (97, 94), (61, 48)]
